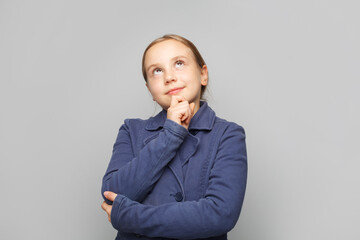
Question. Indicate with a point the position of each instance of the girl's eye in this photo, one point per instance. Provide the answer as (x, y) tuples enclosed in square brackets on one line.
[(157, 71), (179, 63)]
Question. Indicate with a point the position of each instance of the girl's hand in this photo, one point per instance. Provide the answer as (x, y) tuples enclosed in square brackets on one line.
[(180, 111), (107, 208)]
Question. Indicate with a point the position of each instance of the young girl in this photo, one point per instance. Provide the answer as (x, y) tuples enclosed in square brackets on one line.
[(181, 174)]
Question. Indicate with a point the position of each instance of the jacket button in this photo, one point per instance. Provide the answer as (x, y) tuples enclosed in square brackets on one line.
[(178, 197)]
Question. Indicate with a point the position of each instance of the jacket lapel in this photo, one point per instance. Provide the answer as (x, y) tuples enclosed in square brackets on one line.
[(187, 149)]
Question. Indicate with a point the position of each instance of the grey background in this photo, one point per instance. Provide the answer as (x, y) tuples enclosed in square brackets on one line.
[(288, 71)]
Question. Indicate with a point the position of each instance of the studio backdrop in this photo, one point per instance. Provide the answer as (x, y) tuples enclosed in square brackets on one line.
[(287, 71)]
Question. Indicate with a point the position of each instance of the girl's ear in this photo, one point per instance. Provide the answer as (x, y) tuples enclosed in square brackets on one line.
[(204, 75)]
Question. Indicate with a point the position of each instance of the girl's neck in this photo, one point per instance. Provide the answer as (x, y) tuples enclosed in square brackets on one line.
[(197, 107)]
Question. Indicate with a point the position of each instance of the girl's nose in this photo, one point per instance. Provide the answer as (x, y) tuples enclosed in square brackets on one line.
[(170, 77)]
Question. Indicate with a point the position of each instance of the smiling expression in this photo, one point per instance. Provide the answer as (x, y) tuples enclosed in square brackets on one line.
[(172, 70)]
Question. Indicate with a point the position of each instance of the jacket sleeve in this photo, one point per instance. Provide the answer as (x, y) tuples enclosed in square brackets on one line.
[(213, 215), (132, 176)]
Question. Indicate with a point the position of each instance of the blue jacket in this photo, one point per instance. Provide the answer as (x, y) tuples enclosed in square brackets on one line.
[(174, 183)]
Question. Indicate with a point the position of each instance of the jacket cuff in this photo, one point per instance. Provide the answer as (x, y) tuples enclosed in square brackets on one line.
[(115, 211), (175, 128)]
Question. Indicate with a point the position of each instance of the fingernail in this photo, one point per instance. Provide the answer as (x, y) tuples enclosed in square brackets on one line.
[(105, 194)]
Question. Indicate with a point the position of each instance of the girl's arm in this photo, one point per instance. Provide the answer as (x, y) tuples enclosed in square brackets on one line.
[(134, 177), (213, 215)]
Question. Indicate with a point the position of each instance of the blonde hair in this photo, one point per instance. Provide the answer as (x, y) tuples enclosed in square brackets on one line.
[(200, 61)]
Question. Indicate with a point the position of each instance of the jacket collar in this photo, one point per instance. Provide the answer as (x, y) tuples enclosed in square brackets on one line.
[(203, 119)]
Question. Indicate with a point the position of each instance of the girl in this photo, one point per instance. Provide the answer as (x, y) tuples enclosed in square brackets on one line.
[(181, 174)]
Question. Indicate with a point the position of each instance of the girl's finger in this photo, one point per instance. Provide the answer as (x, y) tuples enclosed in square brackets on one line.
[(183, 116), (176, 99), (189, 116), (104, 206), (192, 107), (173, 101), (110, 195)]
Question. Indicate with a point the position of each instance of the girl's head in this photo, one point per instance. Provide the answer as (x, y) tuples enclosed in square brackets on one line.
[(172, 65)]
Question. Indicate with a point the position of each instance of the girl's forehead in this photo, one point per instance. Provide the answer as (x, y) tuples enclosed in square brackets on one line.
[(167, 49)]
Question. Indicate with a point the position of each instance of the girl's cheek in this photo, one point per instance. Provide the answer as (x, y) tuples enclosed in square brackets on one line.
[(157, 87), (186, 76)]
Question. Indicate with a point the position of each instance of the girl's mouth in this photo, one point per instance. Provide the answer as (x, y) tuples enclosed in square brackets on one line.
[(174, 91)]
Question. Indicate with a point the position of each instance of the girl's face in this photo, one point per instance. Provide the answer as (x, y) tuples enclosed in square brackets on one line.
[(172, 70)]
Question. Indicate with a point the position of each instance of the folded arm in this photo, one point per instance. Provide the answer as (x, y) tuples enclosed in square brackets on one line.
[(213, 215), (134, 177)]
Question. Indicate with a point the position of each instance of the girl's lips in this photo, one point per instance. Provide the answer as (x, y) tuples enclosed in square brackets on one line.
[(174, 91)]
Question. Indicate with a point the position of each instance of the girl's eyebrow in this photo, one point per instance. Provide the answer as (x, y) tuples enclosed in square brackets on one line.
[(174, 58), (177, 57)]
